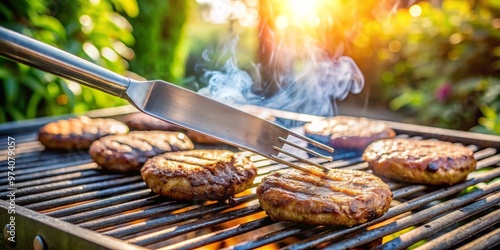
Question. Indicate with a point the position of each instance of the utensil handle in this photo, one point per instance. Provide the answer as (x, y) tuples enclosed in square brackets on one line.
[(23, 49)]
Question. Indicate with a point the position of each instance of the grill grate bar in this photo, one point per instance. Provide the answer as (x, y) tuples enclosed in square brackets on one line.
[(115, 207), (137, 215), (431, 227), (131, 205), (163, 221), (29, 199), (221, 235), (61, 184), (293, 230), (84, 197), (449, 219), (20, 138), (484, 153), (48, 167), (168, 233), (82, 174), (30, 148), (368, 236), (450, 239), (62, 170), (405, 191), (488, 241), (274, 237), (398, 210), (343, 162), (47, 162), (491, 161), (101, 203)]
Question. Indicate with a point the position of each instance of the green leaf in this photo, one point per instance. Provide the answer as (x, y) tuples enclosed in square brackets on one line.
[(50, 24), (6, 12), (399, 102), (34, 84), (16, 114), (11, 88), (3, 117), (129, 7), (494, 3), (4, 72), (488, 112), (32, 109)]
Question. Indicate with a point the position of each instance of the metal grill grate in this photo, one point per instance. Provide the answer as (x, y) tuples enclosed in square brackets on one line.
[(68, 194)]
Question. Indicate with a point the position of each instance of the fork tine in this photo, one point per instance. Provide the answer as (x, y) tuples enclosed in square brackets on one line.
[(329, 158), (313, 142), (301, 159), (309, 170)]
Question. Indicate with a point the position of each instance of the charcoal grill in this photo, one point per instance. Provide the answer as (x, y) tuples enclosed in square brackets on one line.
[(64, 201)]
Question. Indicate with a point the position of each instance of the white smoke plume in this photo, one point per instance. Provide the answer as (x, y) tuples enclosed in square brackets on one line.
[(313, 88)]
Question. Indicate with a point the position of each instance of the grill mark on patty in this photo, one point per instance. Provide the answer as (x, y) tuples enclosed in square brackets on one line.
[(341, 199), (157, 141), (208, 155), (192, 161), (218, 172), (327, 182), (420, 161), (206, 178), (131, 151), (299, 184), (133, 144), (78, 133)]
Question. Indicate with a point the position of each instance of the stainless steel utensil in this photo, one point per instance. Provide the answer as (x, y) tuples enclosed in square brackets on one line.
[(163, 100)]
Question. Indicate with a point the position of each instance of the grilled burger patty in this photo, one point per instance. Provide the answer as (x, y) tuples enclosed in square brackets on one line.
[(424, 162), (199, 174), (78, 133), (346, 132), (343, 197), (142, 121), (129, 152)]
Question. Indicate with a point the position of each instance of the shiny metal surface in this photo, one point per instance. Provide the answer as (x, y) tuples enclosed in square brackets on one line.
[(163, 100), (201, 114), (31, 52)]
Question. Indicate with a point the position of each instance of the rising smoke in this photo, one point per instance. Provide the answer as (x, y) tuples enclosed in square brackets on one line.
[(313, 87), (299, 76)]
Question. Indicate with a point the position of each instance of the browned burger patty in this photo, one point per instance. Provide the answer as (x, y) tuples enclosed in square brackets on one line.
[(199, 174), (142, 121), (343, 197), (346, 132), (78, 133), (201, 138), (424, 162), (129, 152)]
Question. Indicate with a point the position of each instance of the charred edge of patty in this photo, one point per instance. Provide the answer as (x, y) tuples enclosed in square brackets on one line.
[(78, 133), (129, 152), (350, 133), (141, 121), (199, 174), (421, 162), (344, 198)]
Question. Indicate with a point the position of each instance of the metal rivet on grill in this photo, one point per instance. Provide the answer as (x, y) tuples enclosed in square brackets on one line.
[(38, 243), (6, 235)]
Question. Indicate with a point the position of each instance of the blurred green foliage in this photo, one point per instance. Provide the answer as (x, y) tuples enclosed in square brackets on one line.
[(161, 46), (96, 30), (441, 65)]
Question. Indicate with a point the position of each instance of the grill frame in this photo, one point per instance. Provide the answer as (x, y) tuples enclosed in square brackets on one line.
[(59, 233)]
